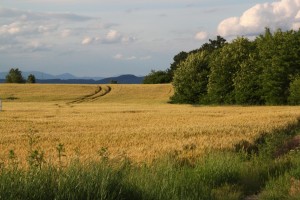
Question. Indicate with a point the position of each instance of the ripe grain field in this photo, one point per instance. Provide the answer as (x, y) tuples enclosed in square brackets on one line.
[(128, 120)]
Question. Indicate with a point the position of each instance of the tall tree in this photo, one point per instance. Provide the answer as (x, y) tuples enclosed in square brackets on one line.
[(247, 80), (224, 65), (14, 76), (191, 78), (280, 60)]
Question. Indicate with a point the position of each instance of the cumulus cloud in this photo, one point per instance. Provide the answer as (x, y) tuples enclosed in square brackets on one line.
[(284, 14), (202, 35)]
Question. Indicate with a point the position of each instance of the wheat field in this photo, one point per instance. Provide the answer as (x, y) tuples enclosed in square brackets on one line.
[(133, 121)]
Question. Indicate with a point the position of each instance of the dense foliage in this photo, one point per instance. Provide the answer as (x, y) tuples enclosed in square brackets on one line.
[(191, 78), (262, 71), (294, 97), (14, 76), (157, 77)]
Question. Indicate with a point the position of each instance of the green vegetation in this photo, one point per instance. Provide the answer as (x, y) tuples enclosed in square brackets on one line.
[(229, 78), (156, 77), (268, 168), (191, 78), (244, 72), (294, 97), (14, 76)]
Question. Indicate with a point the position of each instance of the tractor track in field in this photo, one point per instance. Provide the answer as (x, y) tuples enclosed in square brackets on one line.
[(99, 92)]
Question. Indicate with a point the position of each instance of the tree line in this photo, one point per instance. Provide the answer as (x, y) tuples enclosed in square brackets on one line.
[(263, 71), (15, 76)]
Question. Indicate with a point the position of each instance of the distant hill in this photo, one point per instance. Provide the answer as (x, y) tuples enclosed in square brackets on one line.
[(45, 76), (123, 79)]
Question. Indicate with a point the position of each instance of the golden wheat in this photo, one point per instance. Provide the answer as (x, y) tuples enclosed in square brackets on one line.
[(129, 120)]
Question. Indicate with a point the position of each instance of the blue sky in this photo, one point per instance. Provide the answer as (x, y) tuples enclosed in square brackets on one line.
[(113, 37)]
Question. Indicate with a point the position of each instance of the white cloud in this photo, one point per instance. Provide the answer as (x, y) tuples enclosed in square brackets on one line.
[(10, 29), (112, 36), (202, 35), (282, 14), (19, 27), (87, 41)]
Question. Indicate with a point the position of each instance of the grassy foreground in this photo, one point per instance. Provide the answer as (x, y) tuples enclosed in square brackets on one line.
[(268, 172)]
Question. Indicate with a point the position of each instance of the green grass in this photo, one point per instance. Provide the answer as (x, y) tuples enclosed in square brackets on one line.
[(218, 175)]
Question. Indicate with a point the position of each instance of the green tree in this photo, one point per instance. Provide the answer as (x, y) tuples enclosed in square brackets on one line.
[(14, 76), (294, 97), (212, 45), (280, 60), (191, 78), (247, 80), (180, 57), (157, 77), (31, 79), (224, 65)]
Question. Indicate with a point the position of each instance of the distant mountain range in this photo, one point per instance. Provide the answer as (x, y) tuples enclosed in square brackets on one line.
[(42, 76), (67, 78)]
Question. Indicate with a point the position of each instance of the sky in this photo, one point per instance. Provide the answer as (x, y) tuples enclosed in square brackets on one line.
[(114, 37)]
